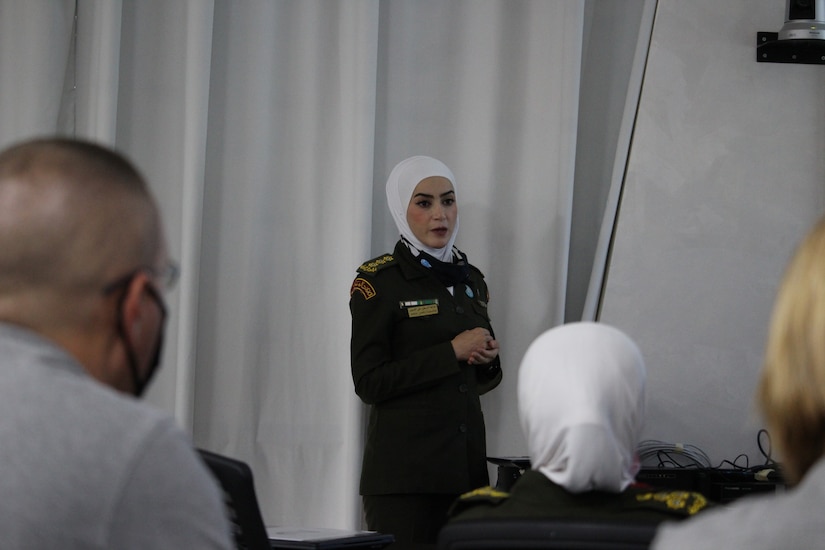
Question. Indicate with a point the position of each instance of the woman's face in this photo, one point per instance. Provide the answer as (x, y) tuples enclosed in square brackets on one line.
[(432, 211)]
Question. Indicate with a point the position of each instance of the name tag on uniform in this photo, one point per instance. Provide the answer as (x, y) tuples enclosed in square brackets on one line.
[(420, 308)]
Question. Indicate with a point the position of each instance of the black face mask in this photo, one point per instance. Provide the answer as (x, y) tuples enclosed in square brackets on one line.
[(450, 274), (140, 385)]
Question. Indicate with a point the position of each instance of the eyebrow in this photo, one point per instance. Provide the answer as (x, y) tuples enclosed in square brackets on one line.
[(427, 195)]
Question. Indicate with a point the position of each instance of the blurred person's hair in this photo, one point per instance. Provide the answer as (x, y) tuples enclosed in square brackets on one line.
[(791, 391)]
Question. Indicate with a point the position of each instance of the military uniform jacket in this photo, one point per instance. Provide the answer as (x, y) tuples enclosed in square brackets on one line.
[(426, 430), (534, 496)]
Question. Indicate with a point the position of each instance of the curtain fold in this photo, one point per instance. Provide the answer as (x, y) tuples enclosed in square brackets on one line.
[(491, 88), (288, 175), (162, 99), (267, 129), (36, 41), (198, 54), (98, 45)]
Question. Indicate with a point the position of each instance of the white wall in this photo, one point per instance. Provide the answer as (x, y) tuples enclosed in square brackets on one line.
[(725, 175), (608, 82)]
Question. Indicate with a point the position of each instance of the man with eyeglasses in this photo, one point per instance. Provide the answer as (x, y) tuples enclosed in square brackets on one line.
[(83, 267)]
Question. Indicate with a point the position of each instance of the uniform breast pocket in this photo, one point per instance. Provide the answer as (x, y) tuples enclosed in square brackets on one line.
[(419, 329)]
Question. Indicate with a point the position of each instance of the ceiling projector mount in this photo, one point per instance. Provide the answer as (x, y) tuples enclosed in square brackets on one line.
[(800, 40)]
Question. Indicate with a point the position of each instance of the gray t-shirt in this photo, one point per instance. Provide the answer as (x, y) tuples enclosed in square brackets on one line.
[(85, 467)]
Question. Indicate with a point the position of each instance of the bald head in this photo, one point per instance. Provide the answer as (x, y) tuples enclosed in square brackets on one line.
[(73, 216)]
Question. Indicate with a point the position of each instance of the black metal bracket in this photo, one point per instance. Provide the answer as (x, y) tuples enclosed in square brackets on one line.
[(769, 49)]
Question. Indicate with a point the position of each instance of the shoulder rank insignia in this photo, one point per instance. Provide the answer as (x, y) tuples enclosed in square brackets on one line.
[(377, 264), (487, 494), (484, 496), (364, 287), (686, 502)]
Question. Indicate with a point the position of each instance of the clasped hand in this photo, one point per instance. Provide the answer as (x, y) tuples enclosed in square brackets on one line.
[(476, 346)]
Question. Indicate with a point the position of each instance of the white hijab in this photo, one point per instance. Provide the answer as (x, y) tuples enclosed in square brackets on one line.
[(581, 392), (400, 186)]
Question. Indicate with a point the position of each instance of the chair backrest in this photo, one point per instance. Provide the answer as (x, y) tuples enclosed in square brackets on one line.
[(235, 477), (523, 534)]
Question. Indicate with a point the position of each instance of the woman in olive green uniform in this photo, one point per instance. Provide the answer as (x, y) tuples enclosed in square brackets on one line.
[(423, 350)]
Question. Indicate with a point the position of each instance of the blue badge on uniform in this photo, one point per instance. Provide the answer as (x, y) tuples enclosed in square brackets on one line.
[(468, 291), (425, 263)]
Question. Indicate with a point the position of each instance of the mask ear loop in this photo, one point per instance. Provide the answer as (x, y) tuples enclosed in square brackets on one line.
[(138, 386), (164, 314)]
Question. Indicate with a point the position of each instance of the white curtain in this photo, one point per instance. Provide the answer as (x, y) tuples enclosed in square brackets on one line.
[(36, 62), (267, 129)]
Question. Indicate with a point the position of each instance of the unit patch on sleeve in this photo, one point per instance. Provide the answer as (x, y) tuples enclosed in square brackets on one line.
[(364, 287)]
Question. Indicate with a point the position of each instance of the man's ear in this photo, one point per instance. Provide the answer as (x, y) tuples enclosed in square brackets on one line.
[(121, 344)]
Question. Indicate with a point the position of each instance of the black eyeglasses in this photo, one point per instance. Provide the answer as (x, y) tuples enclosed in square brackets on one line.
[(168, 277)]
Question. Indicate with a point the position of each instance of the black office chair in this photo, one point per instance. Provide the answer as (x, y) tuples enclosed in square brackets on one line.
[(235, 478), (524, 534)]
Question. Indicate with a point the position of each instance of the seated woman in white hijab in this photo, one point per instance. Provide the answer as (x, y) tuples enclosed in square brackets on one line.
[(581, 397)]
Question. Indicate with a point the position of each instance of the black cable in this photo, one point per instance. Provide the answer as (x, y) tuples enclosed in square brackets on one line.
[(733, 464), (766, 454)]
